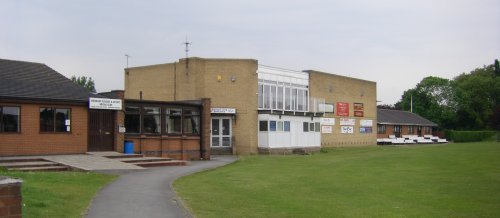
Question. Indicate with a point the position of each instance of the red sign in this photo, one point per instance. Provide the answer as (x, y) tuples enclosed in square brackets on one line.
[(358, 109), (342, 109), (358, 113)]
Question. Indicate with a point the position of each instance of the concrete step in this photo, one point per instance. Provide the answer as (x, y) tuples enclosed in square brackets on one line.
[(162, 163), (20, 159), (45, 168), (28, 164), (143, 159), (120, 156)]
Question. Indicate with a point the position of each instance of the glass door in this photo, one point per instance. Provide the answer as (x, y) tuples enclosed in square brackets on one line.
[(221, 132)]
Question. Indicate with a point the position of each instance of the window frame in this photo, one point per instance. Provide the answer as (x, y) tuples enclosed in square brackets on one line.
[(18, 119), (381, 129), (54, 120)]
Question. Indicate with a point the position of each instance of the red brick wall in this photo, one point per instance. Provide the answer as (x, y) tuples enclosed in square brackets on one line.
[(389, 130), (10, 199), (176, 147), (31, 142)]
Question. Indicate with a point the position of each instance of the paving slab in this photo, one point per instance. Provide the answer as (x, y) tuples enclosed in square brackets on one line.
[(148, 193), (91, 162)]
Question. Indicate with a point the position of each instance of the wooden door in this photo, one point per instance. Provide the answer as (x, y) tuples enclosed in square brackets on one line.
[(101, 130)]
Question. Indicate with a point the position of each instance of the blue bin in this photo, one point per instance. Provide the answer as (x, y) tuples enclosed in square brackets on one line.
[(129, 147)]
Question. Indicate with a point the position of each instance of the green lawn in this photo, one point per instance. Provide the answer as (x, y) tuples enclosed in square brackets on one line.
[(451, 180), (58, 194)]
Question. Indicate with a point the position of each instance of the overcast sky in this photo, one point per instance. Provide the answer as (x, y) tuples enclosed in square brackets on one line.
[(395, 43)]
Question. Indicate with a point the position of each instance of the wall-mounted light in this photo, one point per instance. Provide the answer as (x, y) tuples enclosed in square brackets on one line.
[(219, 78), (233, 79)]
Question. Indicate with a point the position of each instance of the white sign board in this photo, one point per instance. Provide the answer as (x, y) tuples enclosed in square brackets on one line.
[(218, 110), (326, 129), (366, 122), (105, 103), (325, 108), (121, 129), (347, 122), (347, 129), (327, 121)]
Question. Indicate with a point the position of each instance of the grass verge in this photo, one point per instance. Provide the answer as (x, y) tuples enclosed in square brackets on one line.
[(451, 180), (58, 194)]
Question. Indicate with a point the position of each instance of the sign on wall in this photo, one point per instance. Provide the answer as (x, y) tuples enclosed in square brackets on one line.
[(347, 129), (220, 110), (347, 122), (358, 109), (327, 121), (342, 109), (366, 123), (326, 129), (365, 130), (105, 103), (328, 108)]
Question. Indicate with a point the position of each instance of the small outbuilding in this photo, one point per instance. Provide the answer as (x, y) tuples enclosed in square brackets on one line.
[(399, 123)]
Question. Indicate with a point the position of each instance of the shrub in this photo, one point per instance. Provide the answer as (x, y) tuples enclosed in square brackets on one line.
[(469, 136)]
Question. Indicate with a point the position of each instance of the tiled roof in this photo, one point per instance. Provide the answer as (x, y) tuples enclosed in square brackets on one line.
[(386, 116), (36, 81)]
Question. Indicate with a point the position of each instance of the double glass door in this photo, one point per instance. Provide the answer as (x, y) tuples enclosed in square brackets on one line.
[(221, 132)]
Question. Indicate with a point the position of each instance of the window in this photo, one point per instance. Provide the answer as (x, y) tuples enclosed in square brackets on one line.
[(300, 100), (280, 126), (311, 127), (316, 126), (55, 120), (267, 96), (272, 126), (151, 120), (273, 97), (263, 125), (286, 126), (132, 119), (381, 129), (191, 122), (294, 99), (287, 99), (173, 120), (280, 98), (305, 127), (411, 130), (260, 96), (9, 119)]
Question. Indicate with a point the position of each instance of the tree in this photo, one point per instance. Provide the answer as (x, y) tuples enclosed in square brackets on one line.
[(432, 98), (86, 82), (389, 106)]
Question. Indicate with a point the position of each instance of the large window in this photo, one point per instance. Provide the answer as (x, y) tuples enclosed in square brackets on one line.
[(151, 120), (173, 120), (263, 126), (132, 119), (411, 130), (427, 130), (282, 96), (55, 119), (9, 119), (191, 124)]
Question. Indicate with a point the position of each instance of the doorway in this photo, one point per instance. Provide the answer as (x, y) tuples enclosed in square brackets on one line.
[(221, 132), (101, 131)]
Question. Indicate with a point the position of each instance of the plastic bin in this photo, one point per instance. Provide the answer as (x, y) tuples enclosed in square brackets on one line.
[(128, 147)]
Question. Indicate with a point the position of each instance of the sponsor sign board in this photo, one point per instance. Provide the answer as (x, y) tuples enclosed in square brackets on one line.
[(105, 103), (219, 110), (326, 129), (347, 122), (366, 123), (347, 129), (342, 109), (327, 121)]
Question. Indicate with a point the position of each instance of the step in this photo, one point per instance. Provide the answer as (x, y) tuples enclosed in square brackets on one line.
[(142, 159), (28, 164), (124, 156), (20, 159), (162, 163), (48, 168)]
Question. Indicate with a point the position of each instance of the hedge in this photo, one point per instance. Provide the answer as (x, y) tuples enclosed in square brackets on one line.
[(468, 136)]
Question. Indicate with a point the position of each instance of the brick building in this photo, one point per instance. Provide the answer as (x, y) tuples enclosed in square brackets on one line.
[(43, 112), (399, 123), (257, 108)]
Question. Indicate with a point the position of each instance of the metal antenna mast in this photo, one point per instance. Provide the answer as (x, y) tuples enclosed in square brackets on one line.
[(187, 43), (127, 56)]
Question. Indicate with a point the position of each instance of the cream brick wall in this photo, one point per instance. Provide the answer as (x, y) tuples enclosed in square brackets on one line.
[(200, 80), (335, 88)]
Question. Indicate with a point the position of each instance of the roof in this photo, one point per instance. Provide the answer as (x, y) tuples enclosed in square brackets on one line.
[(387, 116), (36, 81)]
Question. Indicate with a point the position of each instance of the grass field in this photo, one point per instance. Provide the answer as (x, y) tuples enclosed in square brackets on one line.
[(451, 180), (58, 194)]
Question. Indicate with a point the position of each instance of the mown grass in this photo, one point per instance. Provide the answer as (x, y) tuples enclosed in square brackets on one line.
[(58, 194), (451, 180)]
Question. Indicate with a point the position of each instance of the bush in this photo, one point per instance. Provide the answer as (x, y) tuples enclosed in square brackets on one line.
[(469, 136)]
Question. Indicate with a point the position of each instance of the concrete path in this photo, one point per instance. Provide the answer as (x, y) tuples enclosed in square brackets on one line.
[(91, 162), (148, 193)]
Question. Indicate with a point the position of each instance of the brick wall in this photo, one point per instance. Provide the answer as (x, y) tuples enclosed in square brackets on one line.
[(31, 142), (389, 130), (10, 198), (334, 89)]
